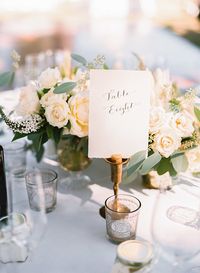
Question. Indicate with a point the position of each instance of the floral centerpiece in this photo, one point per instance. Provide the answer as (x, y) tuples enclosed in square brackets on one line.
[(55, 106)]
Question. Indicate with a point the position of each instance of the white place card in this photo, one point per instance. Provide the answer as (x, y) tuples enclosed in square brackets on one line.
[(119, 112)]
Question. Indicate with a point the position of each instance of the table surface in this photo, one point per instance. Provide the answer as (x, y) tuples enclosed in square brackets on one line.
[(75, 240)]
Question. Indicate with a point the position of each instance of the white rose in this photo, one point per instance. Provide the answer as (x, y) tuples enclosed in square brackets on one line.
[(49, 78), (79, 107), (183, 123), (157, 119), (57, 114), (49, 98), (28, 101), (167, 141)]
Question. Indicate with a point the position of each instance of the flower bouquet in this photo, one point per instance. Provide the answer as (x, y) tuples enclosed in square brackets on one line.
[(55, 106), (174, 128)]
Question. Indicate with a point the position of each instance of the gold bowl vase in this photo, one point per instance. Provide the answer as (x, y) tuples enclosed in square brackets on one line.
[(73, 159), (153, 180)]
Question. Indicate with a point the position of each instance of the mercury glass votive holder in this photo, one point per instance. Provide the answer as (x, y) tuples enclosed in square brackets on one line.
[(15, 158), (121, 217), (46, 180)]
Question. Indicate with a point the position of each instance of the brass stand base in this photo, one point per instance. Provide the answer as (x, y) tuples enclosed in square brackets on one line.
[(102, 212)]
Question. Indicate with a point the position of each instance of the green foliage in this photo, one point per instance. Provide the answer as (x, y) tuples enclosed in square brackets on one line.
[(180, 163), (64, 88), (38, 139), (79, 59), (135, 162), (174, 105), (6, 78), (18, 136), (165, 165), (150, 162), (197, 113)]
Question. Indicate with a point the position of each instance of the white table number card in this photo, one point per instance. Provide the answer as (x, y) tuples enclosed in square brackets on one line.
[(119, 112)]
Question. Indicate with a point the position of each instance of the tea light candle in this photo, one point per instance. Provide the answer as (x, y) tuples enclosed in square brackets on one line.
[(12, 238), (132, 256)]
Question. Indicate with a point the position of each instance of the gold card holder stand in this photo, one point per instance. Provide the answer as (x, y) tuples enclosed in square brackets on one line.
[(116, 163)]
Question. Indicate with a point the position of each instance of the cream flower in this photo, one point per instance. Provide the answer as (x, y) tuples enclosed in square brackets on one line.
[(163, 87), (167, 141), (157, 118), (182, 122), (57, 114), (28, 101), (193, 157), (49, 98), (79, 107), (49, 78)]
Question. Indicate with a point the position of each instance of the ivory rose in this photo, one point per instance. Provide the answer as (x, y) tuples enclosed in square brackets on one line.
[(49, 98), (157, 118), (182, 122), (57, 113), (28, 101), (79, 107), (49, 78), (167, 141)]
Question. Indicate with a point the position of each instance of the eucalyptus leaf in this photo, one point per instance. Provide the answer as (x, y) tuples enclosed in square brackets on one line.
[(164, 166), (127, 179), (64, 88), (79, 59), (137, 158), (6, 78), (177, 154), (135, 162), (134, 168), (150, 162), (197, 113), (180, 163)]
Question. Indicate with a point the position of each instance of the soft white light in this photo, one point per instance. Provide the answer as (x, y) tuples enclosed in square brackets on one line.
[(148, 7), (192, 9), (28, 5), (109, 8)]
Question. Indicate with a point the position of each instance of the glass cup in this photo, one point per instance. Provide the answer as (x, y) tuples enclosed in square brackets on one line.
[(15, 158), (121, 217), (47, 179)]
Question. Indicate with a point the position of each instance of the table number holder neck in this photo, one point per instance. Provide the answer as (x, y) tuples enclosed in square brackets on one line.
[(116, 163)]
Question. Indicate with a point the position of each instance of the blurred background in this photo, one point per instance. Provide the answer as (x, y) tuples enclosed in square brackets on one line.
[(115, 28)]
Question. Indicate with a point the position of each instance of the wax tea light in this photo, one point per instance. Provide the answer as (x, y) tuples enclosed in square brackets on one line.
[(14, 232), (121, 217), (133, 256)]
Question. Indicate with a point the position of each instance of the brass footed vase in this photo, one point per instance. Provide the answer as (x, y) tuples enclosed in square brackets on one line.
[(73, 159)]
